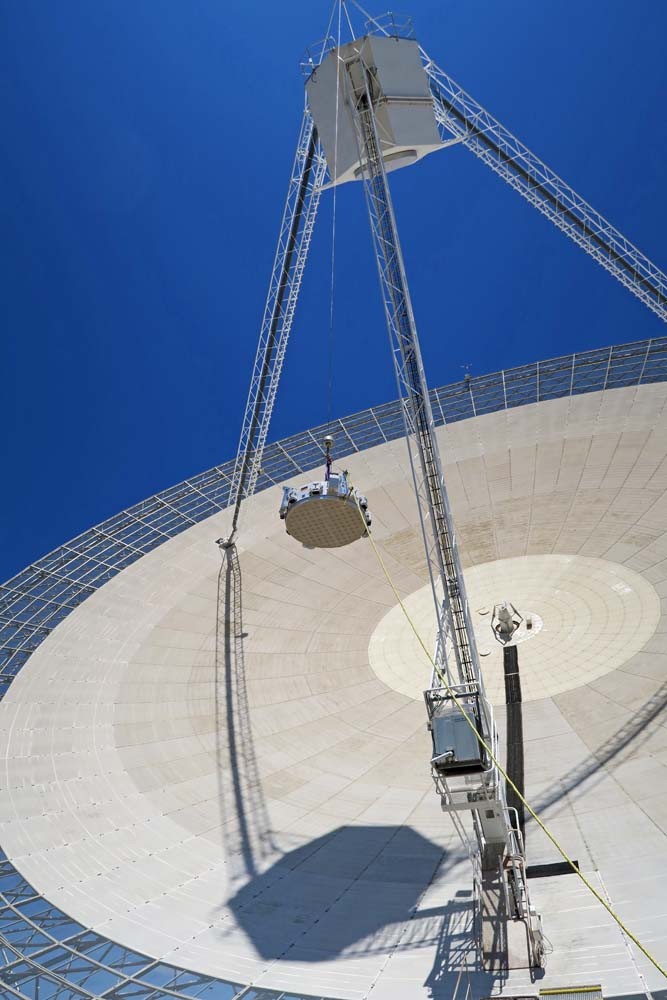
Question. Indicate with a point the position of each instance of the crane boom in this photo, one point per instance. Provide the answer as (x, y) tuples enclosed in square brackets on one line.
[(464, 119), (296, 229)]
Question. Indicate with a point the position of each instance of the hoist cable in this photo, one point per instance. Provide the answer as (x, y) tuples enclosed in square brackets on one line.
[(333, 226), (328, 31), (349, 22)]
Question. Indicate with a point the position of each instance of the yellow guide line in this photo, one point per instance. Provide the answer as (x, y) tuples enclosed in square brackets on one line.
[(571, 989), (497, 763)]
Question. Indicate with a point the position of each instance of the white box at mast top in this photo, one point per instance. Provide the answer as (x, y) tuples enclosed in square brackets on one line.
[(401, 97)]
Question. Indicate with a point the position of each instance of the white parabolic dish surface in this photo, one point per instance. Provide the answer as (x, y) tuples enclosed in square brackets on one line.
[(305, 849), (590, 616)]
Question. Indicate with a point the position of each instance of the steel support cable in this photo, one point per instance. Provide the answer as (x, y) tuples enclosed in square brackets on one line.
[(473, 133), (333, 226), (561, 850), (327, 35), (273, 329)]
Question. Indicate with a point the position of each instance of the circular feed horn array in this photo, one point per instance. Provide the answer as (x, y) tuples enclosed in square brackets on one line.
[(326, 515)]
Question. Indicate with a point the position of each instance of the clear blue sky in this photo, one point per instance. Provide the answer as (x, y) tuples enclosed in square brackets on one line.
[(146, 147)]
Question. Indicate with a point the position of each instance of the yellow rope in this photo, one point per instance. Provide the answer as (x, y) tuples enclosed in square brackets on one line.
[(497, 763), (558, 991)]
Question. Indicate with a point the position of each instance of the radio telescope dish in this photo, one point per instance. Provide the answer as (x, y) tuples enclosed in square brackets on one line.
[(225, 773)]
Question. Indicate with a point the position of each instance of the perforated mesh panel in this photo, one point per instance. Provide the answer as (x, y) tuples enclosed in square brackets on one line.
[(325, 522)]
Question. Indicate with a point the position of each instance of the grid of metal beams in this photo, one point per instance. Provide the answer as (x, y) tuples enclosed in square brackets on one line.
[(460, 116), (44, 953)]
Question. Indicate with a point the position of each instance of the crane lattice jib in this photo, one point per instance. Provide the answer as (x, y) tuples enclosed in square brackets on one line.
[(435, 514), (461, 116), (303, 195)]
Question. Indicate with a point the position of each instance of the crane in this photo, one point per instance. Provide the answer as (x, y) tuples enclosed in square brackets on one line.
[(462, 121), (374, 104)]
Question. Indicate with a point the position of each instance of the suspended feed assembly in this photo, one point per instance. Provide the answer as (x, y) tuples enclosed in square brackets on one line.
[(326, 514)]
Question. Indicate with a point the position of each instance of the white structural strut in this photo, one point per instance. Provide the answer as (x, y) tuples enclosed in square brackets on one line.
[(463, 118), (303, 195)]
